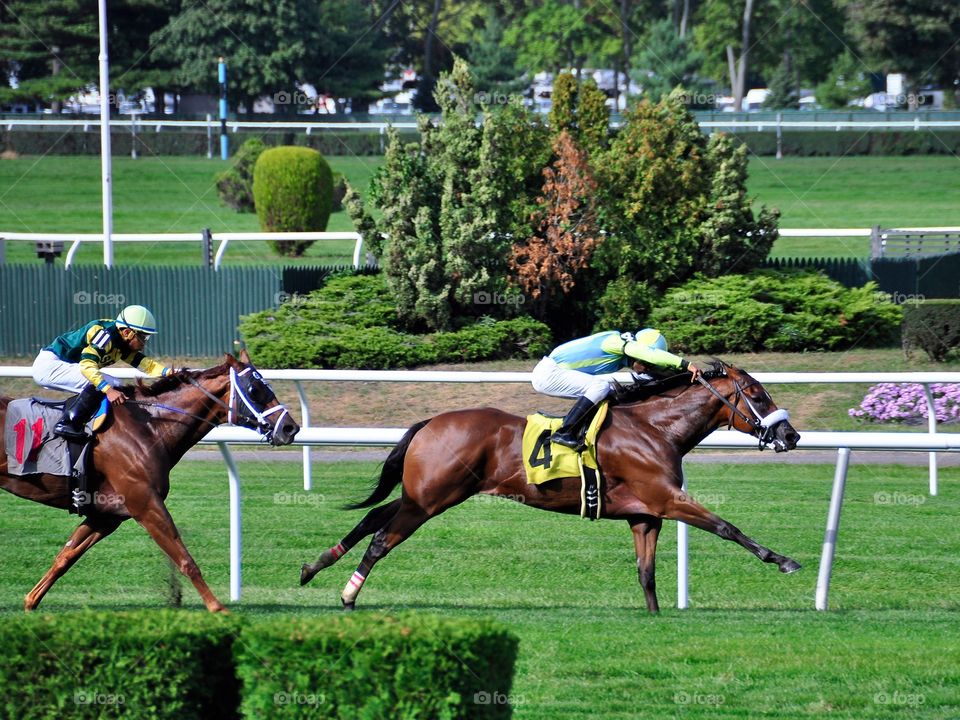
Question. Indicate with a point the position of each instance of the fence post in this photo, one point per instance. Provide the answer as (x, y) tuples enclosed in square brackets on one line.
[(207, 249), (779, 136), (3, 251), (876, 249)]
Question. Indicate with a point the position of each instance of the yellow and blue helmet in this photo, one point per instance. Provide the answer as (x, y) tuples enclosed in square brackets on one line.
[(651, 338), (137, 317)]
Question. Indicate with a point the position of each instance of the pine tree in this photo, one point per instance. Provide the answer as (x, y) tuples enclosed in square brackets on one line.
[(563, 103), (784, 91), (593, 119), (493, 64)]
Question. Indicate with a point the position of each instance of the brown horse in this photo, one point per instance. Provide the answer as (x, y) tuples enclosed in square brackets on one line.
[(443, 461), (132, 459)]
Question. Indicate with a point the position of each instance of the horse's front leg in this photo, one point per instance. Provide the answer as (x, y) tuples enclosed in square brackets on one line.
[(156, 520), (684, 508), (646, 531), (88, 533)]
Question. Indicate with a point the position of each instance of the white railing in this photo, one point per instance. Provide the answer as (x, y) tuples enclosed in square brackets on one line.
[(223, 238), (931, 442), (213, 125)]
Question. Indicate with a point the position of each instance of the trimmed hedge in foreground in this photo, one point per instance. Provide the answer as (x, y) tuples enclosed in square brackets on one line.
[(363, 666), (161, 664), (178, 664)]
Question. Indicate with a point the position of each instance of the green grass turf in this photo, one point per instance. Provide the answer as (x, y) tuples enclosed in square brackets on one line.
[(150, 195), (177, 194), (855, 192), (751, 646)]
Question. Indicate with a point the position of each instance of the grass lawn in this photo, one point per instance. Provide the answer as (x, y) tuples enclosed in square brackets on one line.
[(750, 646), (177, 194)]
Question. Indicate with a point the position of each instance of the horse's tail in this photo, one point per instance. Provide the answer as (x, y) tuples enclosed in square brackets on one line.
[(391, 474)]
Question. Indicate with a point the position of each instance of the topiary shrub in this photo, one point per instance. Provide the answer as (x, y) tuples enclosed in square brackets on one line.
[(352, 323), (293, 191), (932, 326), (235, 184), (339, 192), (778, 311)]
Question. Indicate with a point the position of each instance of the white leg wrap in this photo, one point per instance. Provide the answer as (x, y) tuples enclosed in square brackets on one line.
[(352, 589)]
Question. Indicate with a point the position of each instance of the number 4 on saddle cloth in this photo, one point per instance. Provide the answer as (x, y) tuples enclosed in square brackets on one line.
[(32, 448), (544, 461)]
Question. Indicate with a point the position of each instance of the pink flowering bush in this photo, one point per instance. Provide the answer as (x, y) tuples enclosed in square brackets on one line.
[(907, 403)]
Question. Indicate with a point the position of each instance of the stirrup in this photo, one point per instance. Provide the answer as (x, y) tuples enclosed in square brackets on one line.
[(70, 434)]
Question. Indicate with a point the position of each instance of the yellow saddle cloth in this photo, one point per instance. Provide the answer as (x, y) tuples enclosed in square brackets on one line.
[(544, 461)]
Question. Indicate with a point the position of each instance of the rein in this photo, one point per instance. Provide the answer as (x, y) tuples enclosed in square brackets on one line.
[(762, 427)]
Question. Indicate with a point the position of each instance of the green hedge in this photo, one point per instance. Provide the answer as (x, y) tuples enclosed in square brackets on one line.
[(368, 666), (293, 192), (159, 664), (177, 665), (932, 326), (351, 322), (847, 142), (775, 311)]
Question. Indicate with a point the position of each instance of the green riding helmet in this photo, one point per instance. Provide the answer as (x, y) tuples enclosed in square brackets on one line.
[(137, 317)]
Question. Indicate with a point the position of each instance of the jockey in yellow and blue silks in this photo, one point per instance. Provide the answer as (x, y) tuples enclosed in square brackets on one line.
[(73, 363), (584, 369)]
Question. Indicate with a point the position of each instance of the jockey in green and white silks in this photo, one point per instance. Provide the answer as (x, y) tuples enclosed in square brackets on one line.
[(74, 360), (584, 369)]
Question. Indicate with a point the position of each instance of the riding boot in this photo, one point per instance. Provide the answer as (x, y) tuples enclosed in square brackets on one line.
[(75, 416), (568, 432)]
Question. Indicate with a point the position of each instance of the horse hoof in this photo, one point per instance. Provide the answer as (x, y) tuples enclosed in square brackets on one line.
[(347, 606), (789, 566), (306, 574)]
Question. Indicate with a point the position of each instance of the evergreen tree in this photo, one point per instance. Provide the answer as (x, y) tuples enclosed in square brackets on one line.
[(493, 63), (563, 104), (784, 91), (593, 118), (847, 81), (665, 61)]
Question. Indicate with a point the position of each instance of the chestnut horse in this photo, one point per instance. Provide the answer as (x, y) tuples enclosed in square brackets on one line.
[(146, 436), (649, 428)]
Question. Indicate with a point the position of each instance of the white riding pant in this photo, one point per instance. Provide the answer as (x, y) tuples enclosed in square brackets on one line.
[(551, 379), (55, 374)]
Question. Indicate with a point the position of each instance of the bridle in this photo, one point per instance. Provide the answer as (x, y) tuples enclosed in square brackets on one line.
[(763, 428), (240, 408)]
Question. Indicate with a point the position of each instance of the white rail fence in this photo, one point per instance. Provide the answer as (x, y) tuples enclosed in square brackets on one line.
[(222, 239), (844, 442)]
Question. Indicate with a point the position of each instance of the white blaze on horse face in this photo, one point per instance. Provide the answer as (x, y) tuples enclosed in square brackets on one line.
[(352, 589)]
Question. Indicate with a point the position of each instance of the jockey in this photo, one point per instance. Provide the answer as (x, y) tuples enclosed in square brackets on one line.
[(584, 369), (73, 361)]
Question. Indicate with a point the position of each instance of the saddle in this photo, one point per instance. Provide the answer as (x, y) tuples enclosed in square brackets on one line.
[(32, 448), (544, 461)]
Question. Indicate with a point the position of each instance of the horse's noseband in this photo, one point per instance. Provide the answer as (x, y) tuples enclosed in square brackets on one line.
[(247, 413), (764, 428)]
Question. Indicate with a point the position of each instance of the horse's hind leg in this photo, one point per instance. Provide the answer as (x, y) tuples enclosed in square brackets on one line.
[(403, 524), (372, 521), (88, 533), (646, 531), (687, 510)]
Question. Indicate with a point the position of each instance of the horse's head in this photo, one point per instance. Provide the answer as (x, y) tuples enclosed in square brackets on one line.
[(750, 408), (253, 404)]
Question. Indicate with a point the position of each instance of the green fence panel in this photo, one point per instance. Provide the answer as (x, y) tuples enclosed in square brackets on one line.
[(198, 310)]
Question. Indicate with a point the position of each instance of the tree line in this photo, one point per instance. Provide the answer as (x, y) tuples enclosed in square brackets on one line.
[(345, 48)]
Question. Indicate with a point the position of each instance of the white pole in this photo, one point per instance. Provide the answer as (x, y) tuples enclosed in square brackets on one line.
[(235, 532), (305, 417), (105, 140), (833, 526), (683, 595), (932, 427)]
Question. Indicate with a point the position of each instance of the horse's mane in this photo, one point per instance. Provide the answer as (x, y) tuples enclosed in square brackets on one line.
[(172, 381), (642, 388)]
